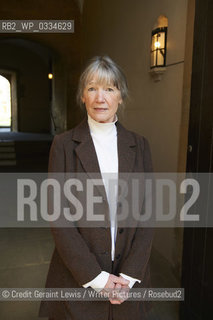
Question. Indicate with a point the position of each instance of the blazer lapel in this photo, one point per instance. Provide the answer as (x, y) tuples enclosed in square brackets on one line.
[(126, 164), (126, 151), (86, 153)]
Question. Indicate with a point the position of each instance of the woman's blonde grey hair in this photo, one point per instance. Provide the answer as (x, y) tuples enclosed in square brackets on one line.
[(107, 73)]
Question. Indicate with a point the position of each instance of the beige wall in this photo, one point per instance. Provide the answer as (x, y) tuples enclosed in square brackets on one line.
[(122, 30)]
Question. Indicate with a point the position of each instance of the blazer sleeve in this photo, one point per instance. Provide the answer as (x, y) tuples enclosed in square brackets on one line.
[(136, 262), (71, 246)]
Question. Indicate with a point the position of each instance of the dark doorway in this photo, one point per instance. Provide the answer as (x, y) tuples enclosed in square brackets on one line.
[(197, 267), (8, 101), (31, 101)]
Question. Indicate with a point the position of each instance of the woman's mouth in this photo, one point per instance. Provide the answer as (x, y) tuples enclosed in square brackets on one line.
[(100, 109)]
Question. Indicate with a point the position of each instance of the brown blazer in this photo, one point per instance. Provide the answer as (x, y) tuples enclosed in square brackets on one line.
[(81, 253)]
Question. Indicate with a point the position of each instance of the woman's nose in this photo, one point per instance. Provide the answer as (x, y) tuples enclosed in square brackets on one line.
[(100, 96)]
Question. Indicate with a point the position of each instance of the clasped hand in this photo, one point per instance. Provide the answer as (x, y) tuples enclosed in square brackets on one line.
[(118, 289)]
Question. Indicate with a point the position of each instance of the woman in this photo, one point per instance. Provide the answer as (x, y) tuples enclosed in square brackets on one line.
[(100, 258)]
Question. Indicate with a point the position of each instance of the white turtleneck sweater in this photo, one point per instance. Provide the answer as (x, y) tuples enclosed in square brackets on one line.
[(104, 136)]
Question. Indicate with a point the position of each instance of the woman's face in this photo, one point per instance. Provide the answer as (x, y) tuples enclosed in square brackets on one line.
[(101, 101)]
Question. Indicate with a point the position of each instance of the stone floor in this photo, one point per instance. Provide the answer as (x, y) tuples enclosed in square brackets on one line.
[(25, 256)]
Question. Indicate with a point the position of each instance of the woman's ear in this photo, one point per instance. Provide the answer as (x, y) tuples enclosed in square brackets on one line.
[(82, 99), (120, 101)]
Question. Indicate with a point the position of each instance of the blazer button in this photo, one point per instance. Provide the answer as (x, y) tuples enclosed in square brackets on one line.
[(118, 256), (121, 230)]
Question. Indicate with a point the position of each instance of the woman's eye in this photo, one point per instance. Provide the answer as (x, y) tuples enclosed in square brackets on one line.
[(91, 89), (109, 89)]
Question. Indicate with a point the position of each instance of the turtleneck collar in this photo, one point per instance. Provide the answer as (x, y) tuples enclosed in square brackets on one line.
[(102, 128)]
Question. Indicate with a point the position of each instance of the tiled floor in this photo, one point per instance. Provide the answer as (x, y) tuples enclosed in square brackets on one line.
[(25, 256)]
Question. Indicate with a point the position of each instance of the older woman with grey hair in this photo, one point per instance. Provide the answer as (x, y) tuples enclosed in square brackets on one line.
[(104, 257)]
